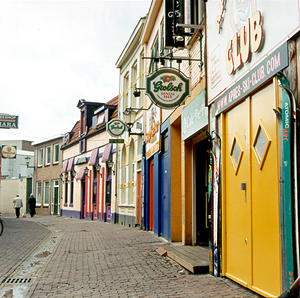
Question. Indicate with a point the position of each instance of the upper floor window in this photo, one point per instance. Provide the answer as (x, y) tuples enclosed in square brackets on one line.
[(83, 122), (197, 12), (40, 157), (48, 156), (55, 153), (154, 55), (126, 89)]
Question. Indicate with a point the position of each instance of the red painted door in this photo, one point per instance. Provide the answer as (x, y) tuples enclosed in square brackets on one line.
[(139, 177), (151, 197)]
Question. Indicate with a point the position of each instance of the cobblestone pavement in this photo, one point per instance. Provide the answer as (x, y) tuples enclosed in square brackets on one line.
[(50, 256)]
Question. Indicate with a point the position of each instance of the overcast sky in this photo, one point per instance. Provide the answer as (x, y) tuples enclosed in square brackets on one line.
[(53, 53)]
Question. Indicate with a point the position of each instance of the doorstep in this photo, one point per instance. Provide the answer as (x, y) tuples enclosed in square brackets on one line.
[(193, 258)]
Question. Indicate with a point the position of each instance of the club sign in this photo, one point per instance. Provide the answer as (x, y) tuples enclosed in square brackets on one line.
[(167, 88)]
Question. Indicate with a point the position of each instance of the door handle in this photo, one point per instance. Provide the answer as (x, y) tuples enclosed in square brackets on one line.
[(244, 187)]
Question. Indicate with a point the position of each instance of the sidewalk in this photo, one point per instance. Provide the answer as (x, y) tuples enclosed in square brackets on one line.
[(79, 258)]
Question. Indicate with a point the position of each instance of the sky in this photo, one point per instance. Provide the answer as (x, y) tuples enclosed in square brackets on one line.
[(54, 53)]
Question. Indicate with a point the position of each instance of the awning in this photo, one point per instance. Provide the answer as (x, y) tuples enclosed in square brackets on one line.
[(80, 175), (65, 165), (107, 153), (70, 165), (94, 157)]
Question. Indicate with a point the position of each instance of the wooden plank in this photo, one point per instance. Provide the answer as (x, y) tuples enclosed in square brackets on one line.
[(194, 259)]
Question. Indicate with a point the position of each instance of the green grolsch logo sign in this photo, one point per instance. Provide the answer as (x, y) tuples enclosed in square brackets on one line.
[(115, 127), (167, 88)]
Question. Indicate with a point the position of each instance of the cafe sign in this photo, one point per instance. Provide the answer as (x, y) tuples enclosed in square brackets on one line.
[(9, 151), (167, 88), (115, 127)]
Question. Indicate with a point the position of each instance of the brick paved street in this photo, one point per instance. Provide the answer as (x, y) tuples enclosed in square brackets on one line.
[(64, 257)]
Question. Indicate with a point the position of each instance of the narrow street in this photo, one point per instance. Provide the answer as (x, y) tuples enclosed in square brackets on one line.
[(50, 256)]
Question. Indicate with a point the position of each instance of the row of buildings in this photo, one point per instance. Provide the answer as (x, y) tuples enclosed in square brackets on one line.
[(216, 168)]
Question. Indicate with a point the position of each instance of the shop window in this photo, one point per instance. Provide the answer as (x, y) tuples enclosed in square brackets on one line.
[(66, 189), (46, 193), (72, 190), (38, 193)]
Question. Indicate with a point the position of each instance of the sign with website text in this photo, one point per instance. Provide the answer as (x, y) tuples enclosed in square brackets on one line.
[(272, 64), (167, 88), (241, 34)]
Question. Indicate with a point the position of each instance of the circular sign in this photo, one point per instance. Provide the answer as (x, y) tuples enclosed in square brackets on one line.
[(115, 127), (167, 88), (9, 151)]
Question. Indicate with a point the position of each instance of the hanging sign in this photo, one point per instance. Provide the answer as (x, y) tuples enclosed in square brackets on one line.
[(115, 127), (167, 88), (9, 151), (9, 121)]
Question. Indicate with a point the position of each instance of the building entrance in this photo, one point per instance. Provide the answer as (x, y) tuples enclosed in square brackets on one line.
[(251, 213)]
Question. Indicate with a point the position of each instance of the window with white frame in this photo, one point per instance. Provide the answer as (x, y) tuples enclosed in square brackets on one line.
[(40, 157), (55, 153), (38, 193), (126, 89), (46, 193), (48, 156), (134, 80)]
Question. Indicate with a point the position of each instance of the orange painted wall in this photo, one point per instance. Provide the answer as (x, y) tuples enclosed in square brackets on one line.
[(176, 207)]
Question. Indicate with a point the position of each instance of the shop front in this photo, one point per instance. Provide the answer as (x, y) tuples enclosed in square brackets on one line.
[(253, 116)]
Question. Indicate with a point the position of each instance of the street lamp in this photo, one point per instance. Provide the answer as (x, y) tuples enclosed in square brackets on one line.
[(86, 171), (98, 169), (137, 92), (110, 165), (27, 159), (129, 118)]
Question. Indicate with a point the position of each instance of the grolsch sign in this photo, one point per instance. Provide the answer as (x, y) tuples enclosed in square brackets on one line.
[(167, 88), (173, 15)]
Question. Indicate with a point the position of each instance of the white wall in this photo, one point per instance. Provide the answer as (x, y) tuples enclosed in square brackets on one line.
[(8, 191)]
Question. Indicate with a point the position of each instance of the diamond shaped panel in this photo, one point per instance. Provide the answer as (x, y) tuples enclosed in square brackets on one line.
[(236, 153), (261, 143)]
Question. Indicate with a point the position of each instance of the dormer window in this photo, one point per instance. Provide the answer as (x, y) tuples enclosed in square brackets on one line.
[(100, 119)]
